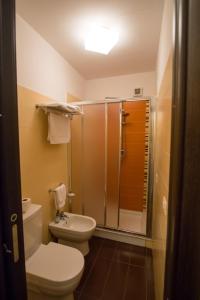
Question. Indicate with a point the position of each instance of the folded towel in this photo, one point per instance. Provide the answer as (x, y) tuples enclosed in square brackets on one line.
[(59, 195), (60, 107), (58, 129)]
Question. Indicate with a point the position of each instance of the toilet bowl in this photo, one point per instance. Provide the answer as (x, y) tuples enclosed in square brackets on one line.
[(53, 271), (74, 231)]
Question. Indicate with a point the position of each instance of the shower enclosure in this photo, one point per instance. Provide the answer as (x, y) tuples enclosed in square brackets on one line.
[(109, 163)]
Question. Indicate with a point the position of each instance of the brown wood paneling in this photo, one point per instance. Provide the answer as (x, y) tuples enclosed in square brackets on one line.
[(132, 166)]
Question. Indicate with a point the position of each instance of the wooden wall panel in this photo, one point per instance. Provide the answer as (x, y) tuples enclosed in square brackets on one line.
[(132, 165)]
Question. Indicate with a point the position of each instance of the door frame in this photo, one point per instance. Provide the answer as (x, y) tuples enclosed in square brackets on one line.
[(184, 210), (182, 272), (11, 225)]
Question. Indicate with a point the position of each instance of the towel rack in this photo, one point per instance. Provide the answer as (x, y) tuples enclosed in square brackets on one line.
[(53, 190), (47, 108)]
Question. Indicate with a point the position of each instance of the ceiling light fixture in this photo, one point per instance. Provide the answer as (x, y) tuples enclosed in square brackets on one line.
[(101, 39)]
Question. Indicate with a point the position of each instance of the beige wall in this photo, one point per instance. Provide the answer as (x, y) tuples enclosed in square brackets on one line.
[(120, 86), (161, 176), (166, 41), (43, 166), (41, 68), (43, 75), (162, 140), (72, 98)]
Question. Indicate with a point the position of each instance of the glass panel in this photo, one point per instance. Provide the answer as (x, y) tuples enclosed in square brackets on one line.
[(75, 163), (113, 164), (134, 167), (94, 161)]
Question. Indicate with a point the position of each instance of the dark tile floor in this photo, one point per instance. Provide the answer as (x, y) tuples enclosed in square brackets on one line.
[(116, 271)]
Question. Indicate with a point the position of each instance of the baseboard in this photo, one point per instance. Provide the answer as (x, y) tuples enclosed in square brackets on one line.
[(121, 236)]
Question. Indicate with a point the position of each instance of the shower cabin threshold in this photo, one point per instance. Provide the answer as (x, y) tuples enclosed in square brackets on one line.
[(121, 236)]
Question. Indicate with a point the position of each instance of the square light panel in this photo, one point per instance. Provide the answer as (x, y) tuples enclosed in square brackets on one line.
[(100, 39)]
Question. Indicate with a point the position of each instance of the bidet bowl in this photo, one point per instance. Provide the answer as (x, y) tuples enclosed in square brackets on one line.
[(74, 231)]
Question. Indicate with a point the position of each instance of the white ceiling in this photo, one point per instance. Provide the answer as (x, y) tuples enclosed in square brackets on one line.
[(62, 24)]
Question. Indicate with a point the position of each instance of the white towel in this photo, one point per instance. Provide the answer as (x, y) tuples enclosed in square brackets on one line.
[(58, 129), (60, 107), (60, 194)]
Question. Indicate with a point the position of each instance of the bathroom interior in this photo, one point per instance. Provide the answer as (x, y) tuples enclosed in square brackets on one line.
[(94, 129)]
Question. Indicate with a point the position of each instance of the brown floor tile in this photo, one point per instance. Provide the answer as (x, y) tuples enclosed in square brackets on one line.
[(136, 284), (123, 253), (139, 250), (150, 277), (95, 243), (138, 260), (97, 278), (95, 246), (138, 256), (116, 271), (90, 259), (76, 295), (115, 284), (88, 297), (108, 249), (82, 282)]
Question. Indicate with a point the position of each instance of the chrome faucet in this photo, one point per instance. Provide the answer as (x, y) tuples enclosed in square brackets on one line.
[(63, 216), (57, 218)]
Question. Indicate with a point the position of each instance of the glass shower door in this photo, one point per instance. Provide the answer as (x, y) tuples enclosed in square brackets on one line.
[(113, 142), (93, 163), (109, 164), (75, 164)]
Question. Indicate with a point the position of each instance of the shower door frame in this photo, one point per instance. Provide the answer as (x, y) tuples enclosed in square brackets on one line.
[(150, 164)]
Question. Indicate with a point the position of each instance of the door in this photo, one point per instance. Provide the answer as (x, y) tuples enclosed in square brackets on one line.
[(182, 276), (12, 270)]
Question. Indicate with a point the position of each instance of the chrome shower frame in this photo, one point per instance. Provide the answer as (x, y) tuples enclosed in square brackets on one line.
[(150, 168)]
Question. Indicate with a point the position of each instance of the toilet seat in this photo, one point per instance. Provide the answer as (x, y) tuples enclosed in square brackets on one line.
[(54, 267)]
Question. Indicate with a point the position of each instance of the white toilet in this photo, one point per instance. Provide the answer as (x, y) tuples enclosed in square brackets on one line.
[(74, 230), (53, 271)]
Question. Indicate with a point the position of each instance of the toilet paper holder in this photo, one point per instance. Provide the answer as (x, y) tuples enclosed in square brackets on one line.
[(69, 194)]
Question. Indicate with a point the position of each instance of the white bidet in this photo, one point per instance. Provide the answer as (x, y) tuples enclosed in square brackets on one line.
[(74, 230)]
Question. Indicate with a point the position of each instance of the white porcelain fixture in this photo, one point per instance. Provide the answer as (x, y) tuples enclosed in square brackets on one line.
[(53, 271), (74, 231), (26, 203)]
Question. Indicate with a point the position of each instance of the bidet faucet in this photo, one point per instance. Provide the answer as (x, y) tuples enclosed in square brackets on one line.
[(57, 218), (63, 216)]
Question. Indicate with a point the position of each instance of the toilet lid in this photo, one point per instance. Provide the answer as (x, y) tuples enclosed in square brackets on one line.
[(54, 264)]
